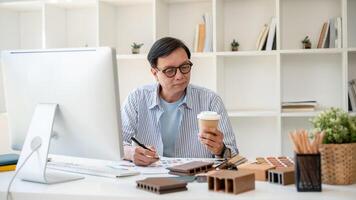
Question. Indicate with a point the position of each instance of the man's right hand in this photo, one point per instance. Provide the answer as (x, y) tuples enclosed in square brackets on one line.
[(141, 156)]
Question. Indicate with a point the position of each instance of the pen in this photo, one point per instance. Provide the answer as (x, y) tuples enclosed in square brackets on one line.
[(141, 145)]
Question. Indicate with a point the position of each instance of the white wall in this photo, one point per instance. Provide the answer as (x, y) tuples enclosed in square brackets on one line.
[(4, 136)]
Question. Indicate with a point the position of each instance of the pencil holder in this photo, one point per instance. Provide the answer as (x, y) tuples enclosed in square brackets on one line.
[(308, 172)]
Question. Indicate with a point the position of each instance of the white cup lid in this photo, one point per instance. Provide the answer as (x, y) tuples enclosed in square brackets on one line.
[(209, 115)]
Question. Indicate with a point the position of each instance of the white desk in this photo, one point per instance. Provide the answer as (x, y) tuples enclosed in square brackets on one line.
[(125, 188)]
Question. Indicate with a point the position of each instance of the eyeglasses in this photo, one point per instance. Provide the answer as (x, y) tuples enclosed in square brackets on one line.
[(184, 68)]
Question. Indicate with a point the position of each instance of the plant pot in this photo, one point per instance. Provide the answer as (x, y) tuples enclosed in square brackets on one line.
[(234, 48), (135, 50), (338, 163), (307, 45)]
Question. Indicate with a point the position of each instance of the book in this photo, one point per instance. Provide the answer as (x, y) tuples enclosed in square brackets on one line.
[(5, 168), (201, 38), (332, 30), (352, 95), (298, 109), (326, 36), (208, 44), (274, 46), (260, 36), (271, 35), (296, 103), (263, 38), (196, 38), (299, 106), (338, 25), (9, 159), (352, 91), (322, 35)]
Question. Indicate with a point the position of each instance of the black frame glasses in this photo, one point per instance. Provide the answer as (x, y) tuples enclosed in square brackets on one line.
[(184, 68)]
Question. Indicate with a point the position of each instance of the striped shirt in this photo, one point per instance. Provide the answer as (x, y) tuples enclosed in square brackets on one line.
[(141, 112)]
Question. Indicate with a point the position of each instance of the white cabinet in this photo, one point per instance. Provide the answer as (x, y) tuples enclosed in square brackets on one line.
[(241, 20), (123, 22), (178, 18), (69, 25), (252, 83), (21, 25)]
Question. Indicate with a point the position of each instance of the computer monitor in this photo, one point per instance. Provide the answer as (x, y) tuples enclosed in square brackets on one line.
[(84, 85)]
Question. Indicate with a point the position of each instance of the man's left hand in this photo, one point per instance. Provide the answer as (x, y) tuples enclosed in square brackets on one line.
[(212, 138)]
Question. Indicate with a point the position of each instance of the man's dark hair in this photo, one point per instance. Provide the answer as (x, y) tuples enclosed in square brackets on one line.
[(163, 47)]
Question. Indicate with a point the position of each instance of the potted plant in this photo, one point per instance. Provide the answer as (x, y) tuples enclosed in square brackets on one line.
[(338, 151), (234, 45), (136, 48), (306, 43)]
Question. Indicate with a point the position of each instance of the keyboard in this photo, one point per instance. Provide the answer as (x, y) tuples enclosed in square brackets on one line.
[(102, 171)]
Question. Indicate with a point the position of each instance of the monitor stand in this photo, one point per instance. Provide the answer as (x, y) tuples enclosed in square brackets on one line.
[(37, 142)]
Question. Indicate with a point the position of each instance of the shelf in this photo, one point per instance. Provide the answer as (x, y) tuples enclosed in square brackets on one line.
[(290, 124), (131, 56), (300, 114), (73, 4), (248, 82), (184, 1), (21, 25), (257, 136), (253, 113), (351, 50), (22, 6), (251, 83), (246, 53), (122, 24), (312, 77), (202, 55), (3, 114), (127, 2), (70, 24), (352, 114), (304, 17), (179, 19), (231, 17), (311, 51)]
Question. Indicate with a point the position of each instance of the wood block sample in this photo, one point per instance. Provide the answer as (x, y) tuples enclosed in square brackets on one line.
[(260, 170), (283, 176), (161, 185), (231, 181), (191, 168)]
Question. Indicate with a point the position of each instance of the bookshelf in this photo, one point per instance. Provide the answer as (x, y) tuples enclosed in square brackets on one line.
[(252, 83)]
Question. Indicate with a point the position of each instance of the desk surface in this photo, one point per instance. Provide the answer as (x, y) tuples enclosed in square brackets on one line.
[(125, 188)]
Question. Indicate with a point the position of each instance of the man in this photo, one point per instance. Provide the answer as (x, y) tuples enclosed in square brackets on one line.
[(164, 115)]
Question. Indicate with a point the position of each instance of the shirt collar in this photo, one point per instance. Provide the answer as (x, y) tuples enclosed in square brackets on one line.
[(155, 102)]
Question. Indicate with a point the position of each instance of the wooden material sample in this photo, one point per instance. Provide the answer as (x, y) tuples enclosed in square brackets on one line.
[(283, 176), (260, 170), (230, 181), (191, 168), (162, 185)]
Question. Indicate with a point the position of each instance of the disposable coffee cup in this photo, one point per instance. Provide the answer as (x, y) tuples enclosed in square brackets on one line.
[(208, 119)]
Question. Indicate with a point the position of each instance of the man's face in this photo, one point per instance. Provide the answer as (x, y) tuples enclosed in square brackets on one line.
[(180, 81)]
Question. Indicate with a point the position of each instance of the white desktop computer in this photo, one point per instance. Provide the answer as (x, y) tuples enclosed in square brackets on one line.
[(63, 101)]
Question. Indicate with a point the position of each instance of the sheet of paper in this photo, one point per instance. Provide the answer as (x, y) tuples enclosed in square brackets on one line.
[(159, 167)]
